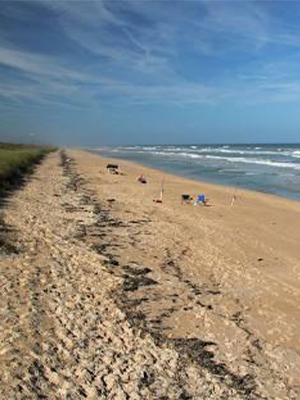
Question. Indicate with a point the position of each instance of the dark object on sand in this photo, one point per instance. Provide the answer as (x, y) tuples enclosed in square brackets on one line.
[(188, 199), (142, 179), (112, 168), (185, 198)]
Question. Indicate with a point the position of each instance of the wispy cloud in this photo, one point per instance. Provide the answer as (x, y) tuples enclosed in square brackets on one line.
[(149, 52), (37, 65), (120, 34)]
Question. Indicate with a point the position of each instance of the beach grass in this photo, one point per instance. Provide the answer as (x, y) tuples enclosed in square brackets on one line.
[(17, 160)]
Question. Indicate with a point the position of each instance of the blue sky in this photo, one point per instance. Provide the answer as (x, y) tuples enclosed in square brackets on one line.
[(123, 72)]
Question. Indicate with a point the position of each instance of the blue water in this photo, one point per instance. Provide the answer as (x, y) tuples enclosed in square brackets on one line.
[(262, 167)]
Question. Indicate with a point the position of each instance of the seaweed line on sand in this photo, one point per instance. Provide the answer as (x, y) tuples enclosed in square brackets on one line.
[(190, 350)]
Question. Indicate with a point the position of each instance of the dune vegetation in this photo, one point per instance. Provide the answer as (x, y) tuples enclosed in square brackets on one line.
[(17, 160)]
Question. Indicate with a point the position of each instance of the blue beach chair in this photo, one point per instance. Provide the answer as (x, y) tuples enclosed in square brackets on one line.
[(201, 199)]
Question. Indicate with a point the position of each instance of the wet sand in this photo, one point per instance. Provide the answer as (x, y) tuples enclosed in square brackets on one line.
[(106, 294)]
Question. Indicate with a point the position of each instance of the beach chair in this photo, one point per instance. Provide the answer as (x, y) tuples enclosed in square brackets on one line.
[(201, 199), (185, 199)]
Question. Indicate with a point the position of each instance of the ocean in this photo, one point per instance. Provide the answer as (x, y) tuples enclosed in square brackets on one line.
[(268, 168)]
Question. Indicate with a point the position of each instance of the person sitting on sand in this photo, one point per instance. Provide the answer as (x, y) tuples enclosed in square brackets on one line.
[(142, 179)]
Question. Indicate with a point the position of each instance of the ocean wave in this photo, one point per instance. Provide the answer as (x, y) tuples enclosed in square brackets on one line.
[(150, 148), (226, 150), (223, 153), (174, 149), (296, 154), (129, 147), (259, 162), (182, 154), (191, 155), (244, 160), (163, 153), (256, 151), (250, 152)]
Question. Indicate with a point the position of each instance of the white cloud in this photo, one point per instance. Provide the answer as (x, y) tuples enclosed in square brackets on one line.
[(131, 49)]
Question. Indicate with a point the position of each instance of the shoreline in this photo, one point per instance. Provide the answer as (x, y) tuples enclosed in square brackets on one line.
[(195, 180), (257, 224), (259, 213), (204, 183)]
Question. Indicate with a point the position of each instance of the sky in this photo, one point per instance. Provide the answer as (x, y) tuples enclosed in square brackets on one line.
[(110, 72)]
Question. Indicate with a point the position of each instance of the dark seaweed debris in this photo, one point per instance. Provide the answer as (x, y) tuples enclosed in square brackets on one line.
[(136, 277), (196, 349)]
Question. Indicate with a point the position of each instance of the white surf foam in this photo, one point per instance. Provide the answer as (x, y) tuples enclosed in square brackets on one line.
[(259, 162)]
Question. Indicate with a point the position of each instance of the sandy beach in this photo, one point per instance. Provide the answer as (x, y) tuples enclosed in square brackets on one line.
[(106, 294)]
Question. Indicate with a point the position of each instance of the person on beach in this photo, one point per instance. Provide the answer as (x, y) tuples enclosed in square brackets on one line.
[(142, 179)]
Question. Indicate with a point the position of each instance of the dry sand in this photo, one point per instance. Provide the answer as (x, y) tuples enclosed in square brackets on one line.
[(106, 294)]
